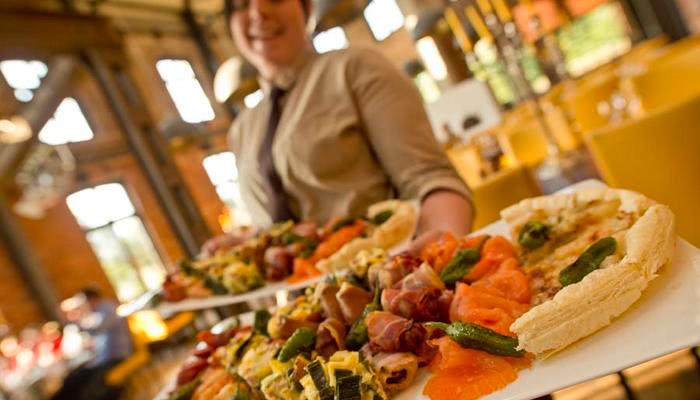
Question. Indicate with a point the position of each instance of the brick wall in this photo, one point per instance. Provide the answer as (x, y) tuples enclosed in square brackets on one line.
[(16, 302), (60, 245), (188, 160)]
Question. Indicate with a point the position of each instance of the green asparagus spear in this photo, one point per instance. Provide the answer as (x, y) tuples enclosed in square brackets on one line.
[(588, 261), (477, 337)]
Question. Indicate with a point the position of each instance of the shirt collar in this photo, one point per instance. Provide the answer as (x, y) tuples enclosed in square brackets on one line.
[(286, 78)]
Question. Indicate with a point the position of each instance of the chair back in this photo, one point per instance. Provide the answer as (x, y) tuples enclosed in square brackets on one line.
[(666, 83), (657, 155), (501, 190)]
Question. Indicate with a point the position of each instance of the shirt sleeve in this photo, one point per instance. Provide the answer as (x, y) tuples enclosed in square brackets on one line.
[(398, 128)]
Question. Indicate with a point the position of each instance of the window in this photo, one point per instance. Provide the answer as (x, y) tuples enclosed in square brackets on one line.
[(332, 39), (118, 238), (223, 174), (253, 99), (68, 125), (24, 76), (431, 57), (185, 90), (384, 17)]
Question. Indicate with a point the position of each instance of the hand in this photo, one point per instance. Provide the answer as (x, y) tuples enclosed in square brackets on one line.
[(225, 241), (424, 239)]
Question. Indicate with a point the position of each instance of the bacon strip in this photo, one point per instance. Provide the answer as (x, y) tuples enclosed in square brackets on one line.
[(391, 334)]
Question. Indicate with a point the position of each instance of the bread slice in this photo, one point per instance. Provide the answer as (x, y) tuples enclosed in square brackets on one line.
[(581, 309)]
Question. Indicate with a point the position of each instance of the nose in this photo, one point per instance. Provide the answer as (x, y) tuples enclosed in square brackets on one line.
[(259, 8)]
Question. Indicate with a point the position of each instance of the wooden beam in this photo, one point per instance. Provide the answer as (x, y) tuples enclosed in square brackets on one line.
[(32, 34)]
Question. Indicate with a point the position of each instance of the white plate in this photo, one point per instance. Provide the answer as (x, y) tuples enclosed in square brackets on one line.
[(167, 309), (665, 319)]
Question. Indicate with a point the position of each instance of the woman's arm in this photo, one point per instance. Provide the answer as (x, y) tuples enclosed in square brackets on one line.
[(445, 211), (442, 211)]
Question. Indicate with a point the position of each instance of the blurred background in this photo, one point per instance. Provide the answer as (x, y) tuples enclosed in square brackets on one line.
[(114, 162)]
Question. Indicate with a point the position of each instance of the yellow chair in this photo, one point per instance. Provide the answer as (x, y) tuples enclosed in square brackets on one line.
[(146, 327), (465, 158), (658, 155), (668, 54), (644, 50), (583, 101), (665, 83), (501, 190), (521, 137)]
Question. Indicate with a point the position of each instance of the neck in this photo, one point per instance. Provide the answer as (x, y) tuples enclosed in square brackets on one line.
[(284, 75)]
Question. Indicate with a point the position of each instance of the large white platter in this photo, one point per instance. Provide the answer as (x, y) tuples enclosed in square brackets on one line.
[(167, 309), (665, 319)]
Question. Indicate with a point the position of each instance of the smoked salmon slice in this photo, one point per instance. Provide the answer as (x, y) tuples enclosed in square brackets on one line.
[(467, 374)]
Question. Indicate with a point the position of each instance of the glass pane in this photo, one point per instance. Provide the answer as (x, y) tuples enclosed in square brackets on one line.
[(253, 99), (68, 125), (113, 201), (86, 210), (115, 263), (332, 39), (221, 167), (19, 74), (431, 58), (133, 235), (190, 100), (230, 193), (174, 69), (384, 17), (24, 95)]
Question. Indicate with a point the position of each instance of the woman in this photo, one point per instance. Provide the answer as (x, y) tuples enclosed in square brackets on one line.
[(336, 132)]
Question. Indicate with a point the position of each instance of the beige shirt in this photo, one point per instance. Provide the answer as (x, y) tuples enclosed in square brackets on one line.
[(353, 131)]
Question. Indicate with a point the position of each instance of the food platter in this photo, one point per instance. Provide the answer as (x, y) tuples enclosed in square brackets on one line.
[(167, 309), (665, 319)]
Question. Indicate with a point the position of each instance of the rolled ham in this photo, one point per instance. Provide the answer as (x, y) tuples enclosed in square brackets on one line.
[(352, 300), (389, 333), (330, 337), (396, 371)]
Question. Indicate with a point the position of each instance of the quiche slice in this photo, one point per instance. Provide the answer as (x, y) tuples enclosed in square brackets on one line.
[(589, 255), (391, 223)]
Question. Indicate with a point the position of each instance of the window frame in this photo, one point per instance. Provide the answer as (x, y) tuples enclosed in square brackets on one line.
[(124, 248)]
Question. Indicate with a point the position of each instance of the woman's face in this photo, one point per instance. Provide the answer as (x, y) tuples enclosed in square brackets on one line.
[(269, 33)]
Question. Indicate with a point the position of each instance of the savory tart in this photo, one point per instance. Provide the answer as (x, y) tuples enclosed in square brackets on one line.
[(589, 255), (389, 223)]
